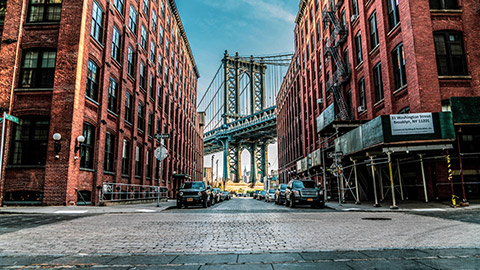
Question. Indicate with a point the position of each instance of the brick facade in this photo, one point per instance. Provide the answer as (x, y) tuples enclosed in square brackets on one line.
[(425, 90), (170, 98)]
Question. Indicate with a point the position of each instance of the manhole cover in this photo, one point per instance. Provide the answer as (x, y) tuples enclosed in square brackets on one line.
[(376, 218)]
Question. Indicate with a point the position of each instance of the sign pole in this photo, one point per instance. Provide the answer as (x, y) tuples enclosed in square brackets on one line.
[(4, 123), (159, 175)]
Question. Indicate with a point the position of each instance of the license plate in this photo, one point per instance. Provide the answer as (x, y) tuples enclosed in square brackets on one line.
[(310, 200), (189, 200)]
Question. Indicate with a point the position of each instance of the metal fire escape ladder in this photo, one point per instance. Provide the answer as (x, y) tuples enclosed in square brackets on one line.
[(342, 74)]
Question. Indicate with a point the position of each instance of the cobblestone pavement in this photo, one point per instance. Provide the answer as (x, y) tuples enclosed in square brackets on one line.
[(236, 228)]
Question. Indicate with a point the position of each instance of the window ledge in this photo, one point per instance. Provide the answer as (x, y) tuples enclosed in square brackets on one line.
[(400, 89), (25, 167), (28, 24), (125, 175), (455, 77), (112, 113), (32, 89), (109, 173), (394, 29), (359, 65), (92, 100), (381, 101), (375, 50), (87, 170), (446, 11)]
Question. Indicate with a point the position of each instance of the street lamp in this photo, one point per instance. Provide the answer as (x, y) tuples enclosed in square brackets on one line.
[(57, 146), (80, 140), (213, 156)]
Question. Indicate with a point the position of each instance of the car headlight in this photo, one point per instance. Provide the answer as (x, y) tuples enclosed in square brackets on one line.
[(199, 193), (296, 192), (181, 193)]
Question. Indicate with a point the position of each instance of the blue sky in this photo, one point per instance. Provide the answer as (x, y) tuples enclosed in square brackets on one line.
[(249, 27)]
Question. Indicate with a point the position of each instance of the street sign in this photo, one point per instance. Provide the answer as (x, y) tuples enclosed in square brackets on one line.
[(11, 118), (162, 136), (336, 169), (161, 152), (335, 154)]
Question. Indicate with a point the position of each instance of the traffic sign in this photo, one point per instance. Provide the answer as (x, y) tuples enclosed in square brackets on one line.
[(162, 136), (336, 169), (161, 153)]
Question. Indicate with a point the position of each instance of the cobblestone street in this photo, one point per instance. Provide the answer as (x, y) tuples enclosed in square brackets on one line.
[(240, 227)]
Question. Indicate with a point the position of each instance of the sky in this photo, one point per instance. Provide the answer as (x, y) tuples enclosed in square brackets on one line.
[(249, 27)]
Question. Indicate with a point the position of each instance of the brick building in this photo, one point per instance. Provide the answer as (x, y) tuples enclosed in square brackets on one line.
[(109, 73), (359, 63)]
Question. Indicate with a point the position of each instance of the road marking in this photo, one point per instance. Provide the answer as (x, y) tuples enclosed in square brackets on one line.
[(146, 210), (429, 210), (71, 212)]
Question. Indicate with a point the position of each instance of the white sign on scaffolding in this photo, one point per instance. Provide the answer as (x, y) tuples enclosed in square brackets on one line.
[(411, 124)]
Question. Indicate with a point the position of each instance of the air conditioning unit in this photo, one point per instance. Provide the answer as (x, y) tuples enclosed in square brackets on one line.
[(320, 101), (353, 18), (360, 109)]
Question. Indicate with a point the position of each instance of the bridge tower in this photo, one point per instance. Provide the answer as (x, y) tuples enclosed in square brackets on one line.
[(234, 69)]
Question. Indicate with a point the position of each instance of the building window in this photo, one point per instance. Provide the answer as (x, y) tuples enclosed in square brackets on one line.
[(138, 161), (449, 49), (132, 20), (3, 9), (399, 74), (91, 90), (140, 117), (377, 82), (443, 4), (143, 76), (358, 48), (361, 95), (116, 42), (97, 22), (150, 124), (159, 96), (44, 11), (130, 62), (372, 22), (38, 69), (29, 141), (404, 110), (119, 5), (126, 157), (86, 154), (112, 95), (355, 7), (152, 51), (154, 21), (160, 68), (128, 107), (152, 87), (148, 165), (393, 13), (143, 38), (109, 152), (145, 7)]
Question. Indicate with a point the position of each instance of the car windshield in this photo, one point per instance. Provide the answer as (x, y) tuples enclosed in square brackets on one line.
[(193, 185), (303, 184)]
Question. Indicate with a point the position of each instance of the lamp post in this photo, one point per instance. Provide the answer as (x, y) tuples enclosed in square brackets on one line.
[(213, 156), (283, 155)]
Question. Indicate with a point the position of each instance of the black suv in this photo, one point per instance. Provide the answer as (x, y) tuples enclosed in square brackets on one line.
[(303, 192), (193, 193)]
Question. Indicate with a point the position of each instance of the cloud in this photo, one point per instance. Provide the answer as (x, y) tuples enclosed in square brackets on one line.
[(270, 10)]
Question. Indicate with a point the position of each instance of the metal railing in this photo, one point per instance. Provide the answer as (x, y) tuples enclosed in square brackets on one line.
[(115, 192)]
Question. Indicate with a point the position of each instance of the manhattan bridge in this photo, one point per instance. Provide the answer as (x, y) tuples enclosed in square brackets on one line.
[(239, 107)]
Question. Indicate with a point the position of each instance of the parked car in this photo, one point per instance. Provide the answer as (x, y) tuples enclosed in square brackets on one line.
[(270, 196), (227, 195), (218, 196), (303, 192), (193, 193), (255, 194), (261, 195), (212, 195), (280, 194)]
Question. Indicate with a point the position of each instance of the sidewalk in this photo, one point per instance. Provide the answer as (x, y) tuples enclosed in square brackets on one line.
[(115, 209), (403, 206)]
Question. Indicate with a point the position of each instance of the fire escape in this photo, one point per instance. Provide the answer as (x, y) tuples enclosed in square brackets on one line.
[(342, 74)]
